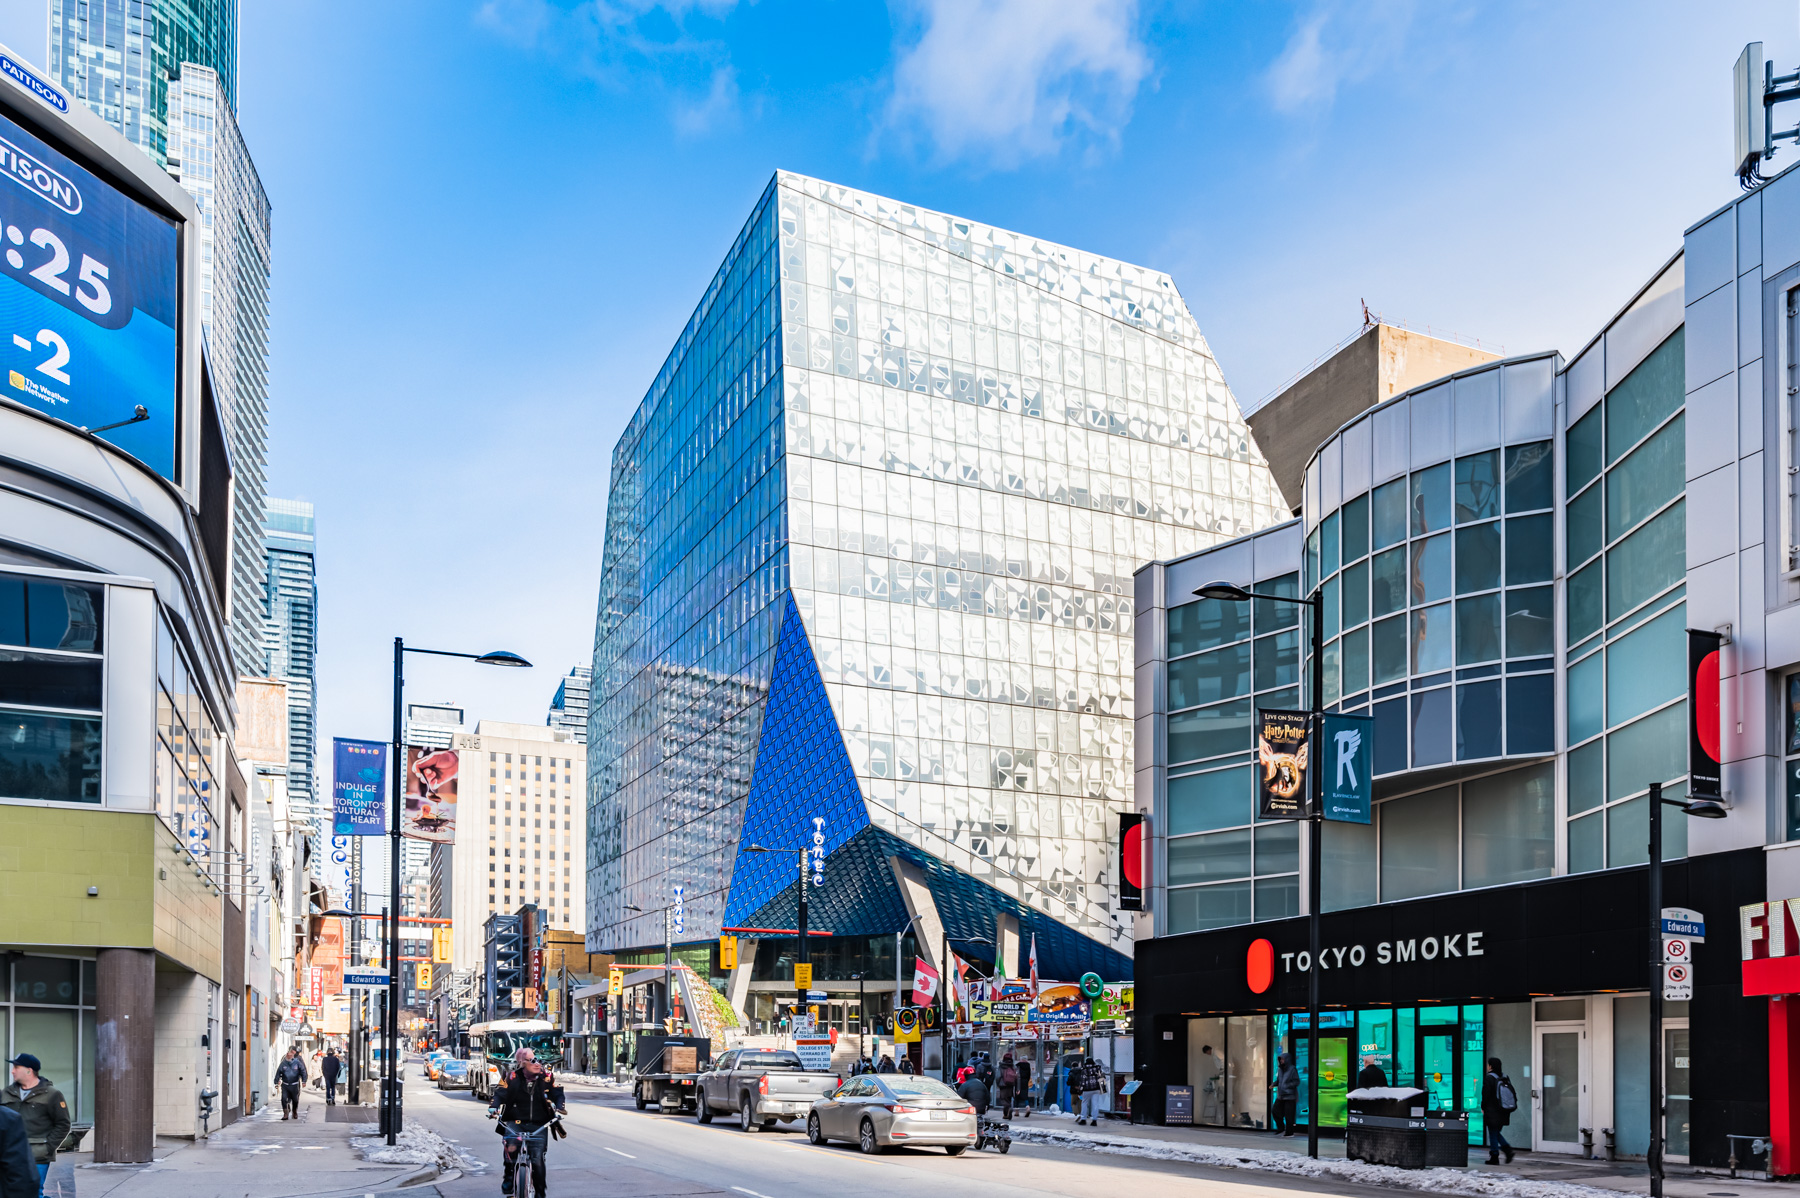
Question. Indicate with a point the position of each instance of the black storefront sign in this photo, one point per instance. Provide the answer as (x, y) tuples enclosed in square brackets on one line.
[(1703, 714), (1282, 752), (1579, 934)]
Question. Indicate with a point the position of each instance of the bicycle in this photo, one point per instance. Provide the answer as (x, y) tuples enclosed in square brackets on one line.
[(519, 1166)]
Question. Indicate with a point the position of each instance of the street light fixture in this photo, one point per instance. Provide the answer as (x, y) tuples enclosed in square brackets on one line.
[(1703, 809), (1226, 592), (805, 956), (390, 1109)]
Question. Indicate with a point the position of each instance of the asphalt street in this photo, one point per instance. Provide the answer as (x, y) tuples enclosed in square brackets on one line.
[(618, 1151)]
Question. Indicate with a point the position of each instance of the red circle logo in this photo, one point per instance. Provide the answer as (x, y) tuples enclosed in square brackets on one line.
[(1259, 966), (1706, 703), (1133, 853)]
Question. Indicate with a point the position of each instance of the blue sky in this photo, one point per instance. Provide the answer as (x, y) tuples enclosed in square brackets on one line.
[(492, 219)]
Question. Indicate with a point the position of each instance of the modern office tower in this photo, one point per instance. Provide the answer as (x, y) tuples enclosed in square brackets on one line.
[(520, 828), (867, 584), (290, 609), (206, 153), (569, 706), (120, 57), (433, 725)]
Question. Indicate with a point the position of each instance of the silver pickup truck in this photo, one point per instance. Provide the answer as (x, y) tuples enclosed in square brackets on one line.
[(760, 1086)]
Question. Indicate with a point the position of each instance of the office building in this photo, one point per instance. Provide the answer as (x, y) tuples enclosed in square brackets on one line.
[(866, 589), (291, 648), (519, 833), (569, 706), (119, 57), (1510, 562)]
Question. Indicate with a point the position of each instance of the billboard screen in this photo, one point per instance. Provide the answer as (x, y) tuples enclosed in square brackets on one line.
[(89, 299), (429, 812)]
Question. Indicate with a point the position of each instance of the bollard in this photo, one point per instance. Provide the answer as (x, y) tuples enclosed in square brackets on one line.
[(1587, 1143)]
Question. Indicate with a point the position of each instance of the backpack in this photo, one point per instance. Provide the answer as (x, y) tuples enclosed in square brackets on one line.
[(1505, 1095), (1009, 1076)]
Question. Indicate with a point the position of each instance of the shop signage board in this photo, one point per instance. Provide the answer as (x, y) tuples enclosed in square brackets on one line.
[(1131, 861), (999, 1012), (1178, 1105), (1282, 751), (1769, 941), (1348, 781), (1703, 714)]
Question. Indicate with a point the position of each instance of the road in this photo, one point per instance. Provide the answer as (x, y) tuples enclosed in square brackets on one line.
[(620, 1152)]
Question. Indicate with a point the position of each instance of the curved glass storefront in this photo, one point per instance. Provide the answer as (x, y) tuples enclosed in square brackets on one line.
[(1430, 530)]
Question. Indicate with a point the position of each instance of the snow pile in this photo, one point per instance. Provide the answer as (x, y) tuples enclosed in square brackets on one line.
[(588, 1079), (415, 1145), (1441, 1181)]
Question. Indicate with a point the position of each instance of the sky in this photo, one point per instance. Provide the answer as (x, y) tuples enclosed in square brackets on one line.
[(493, 217)]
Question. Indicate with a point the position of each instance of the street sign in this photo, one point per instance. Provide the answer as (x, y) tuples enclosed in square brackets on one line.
[(1678, 982), (802, 1025), (1676, 952), (365, 980), (803, 975), (815, 1053), (816, 996), (1679, 921), (999, 1012)]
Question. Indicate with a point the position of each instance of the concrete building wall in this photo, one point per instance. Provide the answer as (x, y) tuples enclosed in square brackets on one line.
[(185, 1006)]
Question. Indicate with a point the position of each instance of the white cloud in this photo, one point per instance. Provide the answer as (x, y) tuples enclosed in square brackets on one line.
[(1336, 44), (1015, 79), (718, 107)]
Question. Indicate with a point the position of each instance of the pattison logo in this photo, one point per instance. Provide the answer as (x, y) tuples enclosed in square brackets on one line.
[(33, 175), (22, 75)]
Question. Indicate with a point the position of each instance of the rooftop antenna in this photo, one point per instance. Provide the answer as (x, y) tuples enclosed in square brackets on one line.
[(1755, 90)]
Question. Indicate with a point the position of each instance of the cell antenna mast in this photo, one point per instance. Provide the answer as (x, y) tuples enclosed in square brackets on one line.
[(1755, 90)]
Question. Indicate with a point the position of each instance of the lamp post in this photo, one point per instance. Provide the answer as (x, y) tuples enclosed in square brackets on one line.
[(1704, 809), (800, 919), (668, 1003), (1226, 592), (359, 1029), (862, 1014), (943, 997), (390, 1108)]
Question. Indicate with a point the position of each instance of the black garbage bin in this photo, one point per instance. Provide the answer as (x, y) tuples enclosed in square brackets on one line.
[(1446, 1141), (1385, 1125)]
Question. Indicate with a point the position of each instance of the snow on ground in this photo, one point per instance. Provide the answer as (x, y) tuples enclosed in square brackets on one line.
[(415, 1145), (1438, 1181)]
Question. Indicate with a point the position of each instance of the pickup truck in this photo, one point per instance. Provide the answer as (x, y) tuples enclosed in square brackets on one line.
[(760, 1086)]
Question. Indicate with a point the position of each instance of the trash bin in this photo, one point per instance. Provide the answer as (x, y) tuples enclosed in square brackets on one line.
[(1385, 1125), (1447, 1141)]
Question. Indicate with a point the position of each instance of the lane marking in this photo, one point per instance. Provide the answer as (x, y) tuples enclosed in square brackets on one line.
[(752, 1193), (626, 1155)]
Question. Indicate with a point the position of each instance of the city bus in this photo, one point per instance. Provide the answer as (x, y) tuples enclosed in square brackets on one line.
[(492, 1045)]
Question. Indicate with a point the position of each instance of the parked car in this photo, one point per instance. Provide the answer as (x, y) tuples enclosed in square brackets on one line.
[(876, 1111), (432, 1060), (453, 1074), (759, 1086)]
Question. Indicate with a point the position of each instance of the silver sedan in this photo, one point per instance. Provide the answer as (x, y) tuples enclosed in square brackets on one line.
[(876, 1111)]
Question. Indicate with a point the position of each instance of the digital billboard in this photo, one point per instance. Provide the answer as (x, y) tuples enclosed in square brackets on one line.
[(89, 300)]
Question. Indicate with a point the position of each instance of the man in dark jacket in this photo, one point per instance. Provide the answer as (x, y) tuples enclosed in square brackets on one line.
[(18, 1176), (886, 1066), (1495, 1115), (1089, 1081), (529, 1099), (976, 1092), (1024, 1087), (1008, 1081), (1287, 1094), (329, 1068), (290, 1075), (1372, 1077), (41, 1106)]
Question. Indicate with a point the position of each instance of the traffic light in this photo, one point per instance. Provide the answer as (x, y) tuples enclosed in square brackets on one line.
[(424, 975), (728, 952), (615, 982), (442, 940)]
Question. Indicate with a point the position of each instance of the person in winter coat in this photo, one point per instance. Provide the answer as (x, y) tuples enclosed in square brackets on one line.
[(1495, 1114), (1372, 1077), (886, 1066), (1089, 1080), (1008, 1081), (1024, 1086), (290, 1075), (530, 1098), (42, 1107), (329, 1069), (975, 1091), (1287, 1094), (18, 1176)]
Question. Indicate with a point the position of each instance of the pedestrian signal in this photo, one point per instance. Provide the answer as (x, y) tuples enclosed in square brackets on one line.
[(424, 975), (728, 950), (442, 941), (615, 982)]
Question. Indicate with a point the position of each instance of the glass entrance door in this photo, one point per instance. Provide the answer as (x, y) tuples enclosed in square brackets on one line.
[(1437, 1064), (1335, 1076), (1559, 1089), (1678, 1100)]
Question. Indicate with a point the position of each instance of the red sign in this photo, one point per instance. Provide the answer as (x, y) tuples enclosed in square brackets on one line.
[(1259, 966), (328, 954), (315, 986), (1131, 861), (1769, 937)]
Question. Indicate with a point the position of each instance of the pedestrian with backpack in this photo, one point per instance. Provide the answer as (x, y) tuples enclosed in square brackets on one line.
[(1498, 1102), (1008, 1078)]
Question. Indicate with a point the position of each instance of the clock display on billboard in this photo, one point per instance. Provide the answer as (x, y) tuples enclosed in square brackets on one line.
[(89, 299)]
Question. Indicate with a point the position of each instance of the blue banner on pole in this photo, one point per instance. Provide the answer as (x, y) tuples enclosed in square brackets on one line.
[(1348, 767), (358, 787)]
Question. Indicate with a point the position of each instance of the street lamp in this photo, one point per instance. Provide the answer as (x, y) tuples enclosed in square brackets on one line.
[(943, 996), (668, 953), (390, 1109), (805, 956), (1704, 809), (1225, 592)]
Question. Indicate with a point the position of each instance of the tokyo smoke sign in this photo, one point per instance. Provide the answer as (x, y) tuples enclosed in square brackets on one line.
[(1282, 752), (89, 299), (358, 787)]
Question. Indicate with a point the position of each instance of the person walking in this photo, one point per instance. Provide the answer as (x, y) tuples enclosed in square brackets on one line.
[(1287, 1094), (290, 1075), (1090, 1081), (1024, 1086), (1373, 1076), (18, 1176), (329, 1069), (975, 1093), (42, 1108), (1008, 1077), (1498, 1102), (887, 1064)]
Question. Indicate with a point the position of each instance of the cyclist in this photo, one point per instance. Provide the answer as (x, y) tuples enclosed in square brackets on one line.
[(529, 1100)]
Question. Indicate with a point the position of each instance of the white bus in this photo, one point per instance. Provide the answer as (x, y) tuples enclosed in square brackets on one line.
[(491, 1048)]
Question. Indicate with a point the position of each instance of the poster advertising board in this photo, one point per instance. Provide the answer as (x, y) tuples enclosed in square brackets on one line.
[(429, 809), (358, 787), (1282, 752)]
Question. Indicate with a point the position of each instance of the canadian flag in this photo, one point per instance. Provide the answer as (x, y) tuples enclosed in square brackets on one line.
[(925, 983)]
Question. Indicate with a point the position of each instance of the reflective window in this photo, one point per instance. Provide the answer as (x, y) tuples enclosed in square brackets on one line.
[(1431, 569), (1388, 581), (1207, 858), (1219, 799), (1584, 525), (1530, 551), (1479, 723), (1388, 649), (1419, 850), (1278, 660), (1431, 499), (51, 675), (1646, 397), (1355, 515), (1478, 629), (1528, 477), (1647, 479), (1647, 667), (1584, 449), (1477, 557), (1270, 614), (1390, 513), (1431, 639), (1205, 623), (1209, 677), (1210, 731), (1478, 486), (1355, 661), (1328, 546), (1530, 622), (1354, 594), (1647, 562)]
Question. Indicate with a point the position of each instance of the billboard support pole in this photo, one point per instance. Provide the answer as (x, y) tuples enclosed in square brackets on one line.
[(1314, 831)]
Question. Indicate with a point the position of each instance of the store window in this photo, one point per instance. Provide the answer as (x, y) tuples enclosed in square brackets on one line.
[(48, 1011), (1791, 751), (186, 737), (51, 677)]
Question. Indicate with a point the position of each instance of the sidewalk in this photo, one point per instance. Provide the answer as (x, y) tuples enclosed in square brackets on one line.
[(259, 1155), (1529, 1173)]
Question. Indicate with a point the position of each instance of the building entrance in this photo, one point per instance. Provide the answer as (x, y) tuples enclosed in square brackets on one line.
[(1560, 1095)]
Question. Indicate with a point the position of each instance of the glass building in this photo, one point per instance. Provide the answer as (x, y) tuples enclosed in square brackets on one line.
[(867, 583), (291, 647)]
